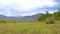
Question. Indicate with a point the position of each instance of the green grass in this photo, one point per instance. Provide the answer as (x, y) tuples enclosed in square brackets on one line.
[(27, 28)]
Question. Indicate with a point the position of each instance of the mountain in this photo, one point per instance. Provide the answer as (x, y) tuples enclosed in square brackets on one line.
[(3, 17), (31, 18), (25, 18)]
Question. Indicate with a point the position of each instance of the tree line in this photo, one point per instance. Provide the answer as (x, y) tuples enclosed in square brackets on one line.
[(56, 15)]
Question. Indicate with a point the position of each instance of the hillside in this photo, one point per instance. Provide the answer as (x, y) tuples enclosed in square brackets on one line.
[(25, 18)]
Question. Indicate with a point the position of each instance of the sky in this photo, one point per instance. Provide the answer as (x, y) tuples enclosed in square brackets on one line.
[(27, 7)]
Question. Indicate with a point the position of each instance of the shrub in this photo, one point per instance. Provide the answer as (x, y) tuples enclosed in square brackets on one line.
[(2, 21)]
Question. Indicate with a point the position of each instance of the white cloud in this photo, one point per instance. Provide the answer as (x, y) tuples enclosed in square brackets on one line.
[(25, 5), (6, 13)]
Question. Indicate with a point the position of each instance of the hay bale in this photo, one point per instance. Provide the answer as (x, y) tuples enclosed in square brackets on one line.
[(50, 20)]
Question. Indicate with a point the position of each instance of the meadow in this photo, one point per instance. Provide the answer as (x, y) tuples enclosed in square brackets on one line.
[(23, 27)]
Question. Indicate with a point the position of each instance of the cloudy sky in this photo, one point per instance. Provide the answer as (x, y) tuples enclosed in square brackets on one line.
[(27, 7)]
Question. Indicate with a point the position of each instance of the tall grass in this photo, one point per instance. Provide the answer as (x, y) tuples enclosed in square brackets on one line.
[(27, 28)]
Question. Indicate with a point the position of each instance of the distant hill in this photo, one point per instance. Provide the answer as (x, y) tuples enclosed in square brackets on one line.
[(3, 17), (31, 18), (25, 18)]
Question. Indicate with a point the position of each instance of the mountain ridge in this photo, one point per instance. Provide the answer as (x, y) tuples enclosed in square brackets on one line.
[(25, 18)]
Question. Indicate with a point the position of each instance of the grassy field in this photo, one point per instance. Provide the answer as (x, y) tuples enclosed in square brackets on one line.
[(29, 28)]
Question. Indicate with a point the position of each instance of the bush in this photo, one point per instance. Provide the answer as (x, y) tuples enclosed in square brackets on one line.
[(2, 21)]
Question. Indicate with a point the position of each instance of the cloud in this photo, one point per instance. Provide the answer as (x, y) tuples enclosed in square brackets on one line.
[(26, 4), (24, 7)]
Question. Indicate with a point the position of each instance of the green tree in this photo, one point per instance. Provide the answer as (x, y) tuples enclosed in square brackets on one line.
[(57, 15), (44, 16)]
